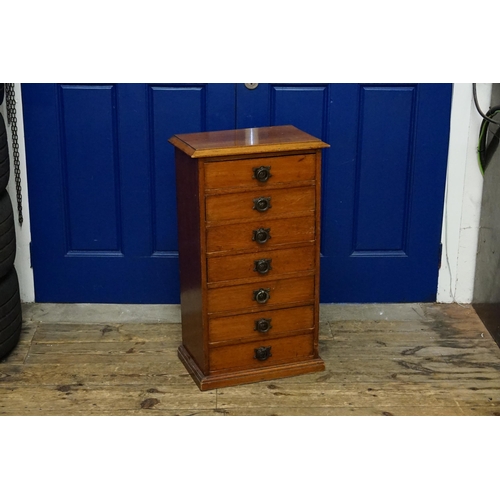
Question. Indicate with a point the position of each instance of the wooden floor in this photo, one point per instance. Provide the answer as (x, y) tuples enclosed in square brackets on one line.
[(439, 361)]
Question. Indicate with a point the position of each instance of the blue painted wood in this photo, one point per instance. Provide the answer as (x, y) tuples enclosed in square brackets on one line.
[(103, 216), (385, 192), (253, 106), (304, 106), (383, 180), (89, 162), (102, 185), (383, 169)]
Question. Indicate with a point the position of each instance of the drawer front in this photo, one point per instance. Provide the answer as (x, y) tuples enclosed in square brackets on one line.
[(271, 233), (245, 173), (273, 352), (260, 205), (268, 264), (259, 327), (261, 296)]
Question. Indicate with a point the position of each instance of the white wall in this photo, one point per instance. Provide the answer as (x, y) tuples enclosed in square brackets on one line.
[(461, 214), (23, 233), (464, 186)]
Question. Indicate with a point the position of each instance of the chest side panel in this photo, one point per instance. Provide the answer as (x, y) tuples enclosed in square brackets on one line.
[(191, 249)]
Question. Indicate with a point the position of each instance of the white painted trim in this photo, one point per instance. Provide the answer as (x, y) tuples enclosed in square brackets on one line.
[(464, 187), (23, 233)]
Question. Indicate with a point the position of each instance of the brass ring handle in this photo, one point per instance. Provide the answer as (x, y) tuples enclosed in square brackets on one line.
[(262, 204), (262, 295), (261, 235), (262, 266), (263, 325), (262, 174)]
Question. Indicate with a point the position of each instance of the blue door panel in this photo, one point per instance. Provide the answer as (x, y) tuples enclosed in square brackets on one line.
[(164, 105), (133, 144), (304, 106), (89, 163), (253, 106), (383, 211), (383, 169)]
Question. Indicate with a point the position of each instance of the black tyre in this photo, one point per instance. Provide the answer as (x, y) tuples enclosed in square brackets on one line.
[(10, 313), (7, 235), (4, 156), (2, 87)]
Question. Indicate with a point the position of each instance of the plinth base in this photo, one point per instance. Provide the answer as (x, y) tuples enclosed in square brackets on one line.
[(215, 381)]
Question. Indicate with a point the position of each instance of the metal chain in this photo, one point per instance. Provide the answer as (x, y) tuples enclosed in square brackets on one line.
[(12, 120)]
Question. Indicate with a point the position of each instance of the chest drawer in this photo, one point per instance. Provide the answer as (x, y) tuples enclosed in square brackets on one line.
[(246, 174), (258, 236), (272, 352), (261, 296), (260, 205), (259, 327), (263, 265)]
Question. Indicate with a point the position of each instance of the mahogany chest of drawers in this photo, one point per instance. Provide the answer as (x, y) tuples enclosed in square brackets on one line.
[(248, 205)]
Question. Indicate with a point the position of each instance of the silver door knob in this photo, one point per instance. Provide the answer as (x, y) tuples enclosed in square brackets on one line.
[(251, 86)]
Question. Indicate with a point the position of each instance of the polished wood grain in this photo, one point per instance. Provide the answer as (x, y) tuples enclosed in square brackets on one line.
[(245, 141), (241, 328), (191, 241), (229, 378), (242, 356), (237, 174), (232, 299), (226, 196), (242, 266), (290, 203), (231, 238), (318, 248)]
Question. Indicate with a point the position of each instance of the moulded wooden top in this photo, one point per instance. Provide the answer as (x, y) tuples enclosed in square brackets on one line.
[(244, 141)]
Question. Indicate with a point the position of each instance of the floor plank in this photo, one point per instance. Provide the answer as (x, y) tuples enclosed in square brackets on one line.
[(81, 333), (414, 411), (67, 398), (382, 396), (94, 373), (149, 412), (380, 360)]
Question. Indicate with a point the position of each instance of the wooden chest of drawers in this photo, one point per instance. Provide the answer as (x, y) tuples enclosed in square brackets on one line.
[(249, 220)]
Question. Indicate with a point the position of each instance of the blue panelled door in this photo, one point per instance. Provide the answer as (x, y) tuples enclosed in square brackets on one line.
[(102, 188)]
